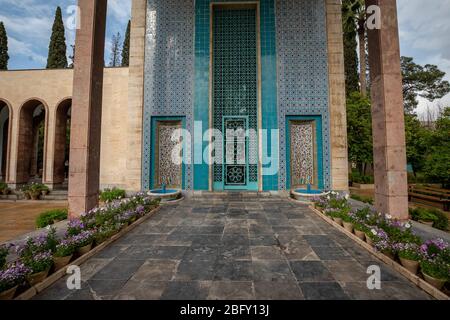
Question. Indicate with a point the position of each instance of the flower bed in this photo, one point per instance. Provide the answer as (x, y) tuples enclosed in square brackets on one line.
[(45, 254), (393, 238)]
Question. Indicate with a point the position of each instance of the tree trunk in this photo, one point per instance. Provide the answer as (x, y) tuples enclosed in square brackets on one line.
[(362, 60)]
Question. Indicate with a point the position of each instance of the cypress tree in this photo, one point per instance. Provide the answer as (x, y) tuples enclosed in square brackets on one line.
[(351, 65), (3, 48), (350, 48), (57, 56), (126, 47)]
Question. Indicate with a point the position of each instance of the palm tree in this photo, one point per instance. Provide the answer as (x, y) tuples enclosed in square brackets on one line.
[(354, 20)]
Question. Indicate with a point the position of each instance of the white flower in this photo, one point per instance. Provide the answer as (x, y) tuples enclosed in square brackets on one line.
[(374, 232), (346, 197), (407, 225), (388, 216), (328, 198), (48, 227)]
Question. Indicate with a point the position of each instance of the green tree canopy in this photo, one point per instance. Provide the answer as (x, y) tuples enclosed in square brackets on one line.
[(4, 57), (422, 81), (417, 142), (126, 47), (57, 55), (437, 163), (359, 127)]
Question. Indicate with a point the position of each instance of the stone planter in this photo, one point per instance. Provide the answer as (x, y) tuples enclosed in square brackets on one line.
[(437, 283), (8, 294), (428, 223), (348, 226), (35, 196), (61, 262), (338, 221), (360, 235), (83, 250), (411, 265), (36, 278)]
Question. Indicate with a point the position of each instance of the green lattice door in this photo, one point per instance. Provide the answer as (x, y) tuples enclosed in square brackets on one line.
[(235, 98)]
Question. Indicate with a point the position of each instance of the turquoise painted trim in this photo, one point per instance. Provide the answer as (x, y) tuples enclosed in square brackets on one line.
[(319, 144), (202, 76), (153, 149)]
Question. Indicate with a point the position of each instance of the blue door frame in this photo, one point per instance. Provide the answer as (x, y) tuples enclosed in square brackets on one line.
[(319, 143)]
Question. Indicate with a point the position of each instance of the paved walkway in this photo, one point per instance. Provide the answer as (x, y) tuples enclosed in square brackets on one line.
[(234, 247), (19, 218)]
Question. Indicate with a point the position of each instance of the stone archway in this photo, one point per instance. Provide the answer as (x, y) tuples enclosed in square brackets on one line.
[(62, 143), (5, 127), (31, 142)]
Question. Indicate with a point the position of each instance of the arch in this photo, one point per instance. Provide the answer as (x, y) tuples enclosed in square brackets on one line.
[(5, 139), (62, 142), (31, 161)]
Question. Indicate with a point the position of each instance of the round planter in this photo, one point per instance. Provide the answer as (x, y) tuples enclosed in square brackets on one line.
[(44, 193), (428, 223), (338, 221), (83, 250), (8, 294), (369, 241), (360, 235), (166, 196), (389, 254), (36, 278), (35, 196), (437, 283), (61, 262), (411, 265), (348, 226)]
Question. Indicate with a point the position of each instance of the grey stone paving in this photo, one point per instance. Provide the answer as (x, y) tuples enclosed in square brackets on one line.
[(237, 246)]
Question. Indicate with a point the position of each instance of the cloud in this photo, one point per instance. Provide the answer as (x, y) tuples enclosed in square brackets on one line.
[(424, 35)]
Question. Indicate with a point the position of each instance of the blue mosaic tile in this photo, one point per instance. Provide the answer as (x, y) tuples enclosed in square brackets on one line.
[(302, 72)]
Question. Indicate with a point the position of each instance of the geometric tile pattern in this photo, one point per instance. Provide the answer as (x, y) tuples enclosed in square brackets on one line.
[(302, 72), (169, 71), (235, 75), (302, 153)]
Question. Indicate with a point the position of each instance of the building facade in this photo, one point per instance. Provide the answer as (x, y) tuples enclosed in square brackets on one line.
[(249, 94)]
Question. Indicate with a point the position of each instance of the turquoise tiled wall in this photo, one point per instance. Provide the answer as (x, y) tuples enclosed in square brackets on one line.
[(268, 85)]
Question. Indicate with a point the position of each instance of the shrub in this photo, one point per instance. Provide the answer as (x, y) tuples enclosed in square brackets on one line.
[(439, 219), (356, 177), (364, 199), (4, 251), (3, 186), (48, 218), (109, 195)]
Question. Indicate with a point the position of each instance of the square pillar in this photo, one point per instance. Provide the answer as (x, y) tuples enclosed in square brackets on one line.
[(391, 185), (84, 174)]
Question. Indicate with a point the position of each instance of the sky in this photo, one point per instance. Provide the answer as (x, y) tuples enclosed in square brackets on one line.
[(424, 32)]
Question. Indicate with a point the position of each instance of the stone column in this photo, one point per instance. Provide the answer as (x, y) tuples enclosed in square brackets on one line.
[(338, 113), (87, 107), (391, 186)]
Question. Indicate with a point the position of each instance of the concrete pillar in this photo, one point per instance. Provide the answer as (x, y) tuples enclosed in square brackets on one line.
[(391, 186), (87, 107), (338, 113)]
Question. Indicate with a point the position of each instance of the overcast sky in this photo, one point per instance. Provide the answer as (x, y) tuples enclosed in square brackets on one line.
[(424, 31)]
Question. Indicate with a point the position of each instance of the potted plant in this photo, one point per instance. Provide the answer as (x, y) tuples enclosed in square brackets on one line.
[(34, 191), (360, 230), (435, 265), (39, 265), (347, 221), (386, 248), (44, 190), (83, 241), (336, 215), (63, 254), (435, 272), (10, 278), (409, 255)]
